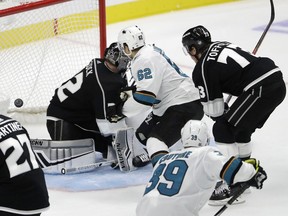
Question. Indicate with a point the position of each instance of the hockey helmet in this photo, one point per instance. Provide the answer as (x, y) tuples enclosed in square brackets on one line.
[(194, 134), (114, 55), (132, 36), (198, 37)]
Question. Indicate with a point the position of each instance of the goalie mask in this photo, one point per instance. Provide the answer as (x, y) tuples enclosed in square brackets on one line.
[(198, 37), (194, 134), (133, 37), (114, 55)]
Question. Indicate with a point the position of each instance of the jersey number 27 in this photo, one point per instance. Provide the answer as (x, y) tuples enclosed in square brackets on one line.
[(21, 158)]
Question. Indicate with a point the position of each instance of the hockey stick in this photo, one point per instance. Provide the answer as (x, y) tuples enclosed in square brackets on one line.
[(272, 16), (243, 187), (87, 167)]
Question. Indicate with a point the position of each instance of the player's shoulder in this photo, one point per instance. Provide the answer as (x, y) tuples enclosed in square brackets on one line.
[(205, 150), (11, 127), (220, 44), (98, 61), (210, 151), (213, 154), (148, 51), (96, 66), (4, 119), (143, 58)]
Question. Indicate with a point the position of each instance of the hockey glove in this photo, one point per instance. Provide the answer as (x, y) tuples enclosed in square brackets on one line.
[(260, 176), (114, 113), (124, 96), (129, 88), (115, 118)]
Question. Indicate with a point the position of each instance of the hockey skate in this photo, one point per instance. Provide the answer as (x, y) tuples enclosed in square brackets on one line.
[(223, 193), (141, 160)]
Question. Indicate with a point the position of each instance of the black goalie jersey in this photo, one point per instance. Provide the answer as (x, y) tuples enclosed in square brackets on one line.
[(226, 68), (22, 185), (84, 98)]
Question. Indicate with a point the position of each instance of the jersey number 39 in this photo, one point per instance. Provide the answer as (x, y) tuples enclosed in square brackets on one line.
[(168, 178)]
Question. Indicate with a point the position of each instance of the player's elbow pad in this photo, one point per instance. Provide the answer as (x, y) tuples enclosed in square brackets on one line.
[(146, 98)]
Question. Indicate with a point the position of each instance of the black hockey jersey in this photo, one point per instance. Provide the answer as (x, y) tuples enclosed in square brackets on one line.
[(226, 68), (85, 97), (22, 184)]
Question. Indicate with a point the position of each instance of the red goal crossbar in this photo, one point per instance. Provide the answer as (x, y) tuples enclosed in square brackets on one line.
[(29, 6), (43, 3)]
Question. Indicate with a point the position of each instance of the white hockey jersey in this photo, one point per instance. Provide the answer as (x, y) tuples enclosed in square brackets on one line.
[(159, 81), (183, 181)]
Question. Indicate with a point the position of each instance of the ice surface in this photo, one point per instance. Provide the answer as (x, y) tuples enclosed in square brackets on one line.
[(241, 23)]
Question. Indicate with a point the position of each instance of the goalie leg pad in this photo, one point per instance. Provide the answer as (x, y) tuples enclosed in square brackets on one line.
[(52, 155), (123, 145)]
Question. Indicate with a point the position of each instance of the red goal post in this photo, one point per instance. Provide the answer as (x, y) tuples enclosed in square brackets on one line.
[(42, 44)]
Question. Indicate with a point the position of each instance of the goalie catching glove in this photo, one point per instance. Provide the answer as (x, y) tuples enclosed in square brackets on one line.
[(114, 112), (260, 176)]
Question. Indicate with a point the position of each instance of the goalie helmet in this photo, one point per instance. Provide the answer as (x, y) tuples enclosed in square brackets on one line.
[(114, 55), (132, 36), (194, 134), (198, 37)]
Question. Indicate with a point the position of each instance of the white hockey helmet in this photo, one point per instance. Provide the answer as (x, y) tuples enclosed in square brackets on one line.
[(132, 36), (194, 134)]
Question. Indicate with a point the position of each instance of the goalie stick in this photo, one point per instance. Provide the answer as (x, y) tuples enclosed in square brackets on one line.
[(87, 167), (272, 16), (243, 187)]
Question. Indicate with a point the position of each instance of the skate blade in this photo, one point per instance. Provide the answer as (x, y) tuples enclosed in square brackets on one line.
[(239, 200)]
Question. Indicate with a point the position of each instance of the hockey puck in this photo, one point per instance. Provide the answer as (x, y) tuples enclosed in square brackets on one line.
[(18, 102), (63, 171)]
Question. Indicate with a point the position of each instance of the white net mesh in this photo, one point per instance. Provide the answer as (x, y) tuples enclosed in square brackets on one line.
[(4, 104), (42, 48)]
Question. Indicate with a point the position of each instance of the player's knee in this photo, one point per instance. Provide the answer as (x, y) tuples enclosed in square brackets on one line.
[(156, 149), (142, 138), (143, 131), (223, 132)]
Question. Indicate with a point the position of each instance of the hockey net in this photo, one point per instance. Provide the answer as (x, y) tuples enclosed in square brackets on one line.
[(42, 44)]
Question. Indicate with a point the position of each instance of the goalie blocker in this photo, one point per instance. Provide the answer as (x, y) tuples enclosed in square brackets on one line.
[(53, 156), (75, 156)]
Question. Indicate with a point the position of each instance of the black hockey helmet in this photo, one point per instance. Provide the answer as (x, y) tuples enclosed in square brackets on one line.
[(198, 37), (114, 55)]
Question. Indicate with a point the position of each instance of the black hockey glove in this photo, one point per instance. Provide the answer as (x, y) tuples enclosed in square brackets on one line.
[(124, 97), (114, 113), (129, 88), (115, 118), (260, 176)]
